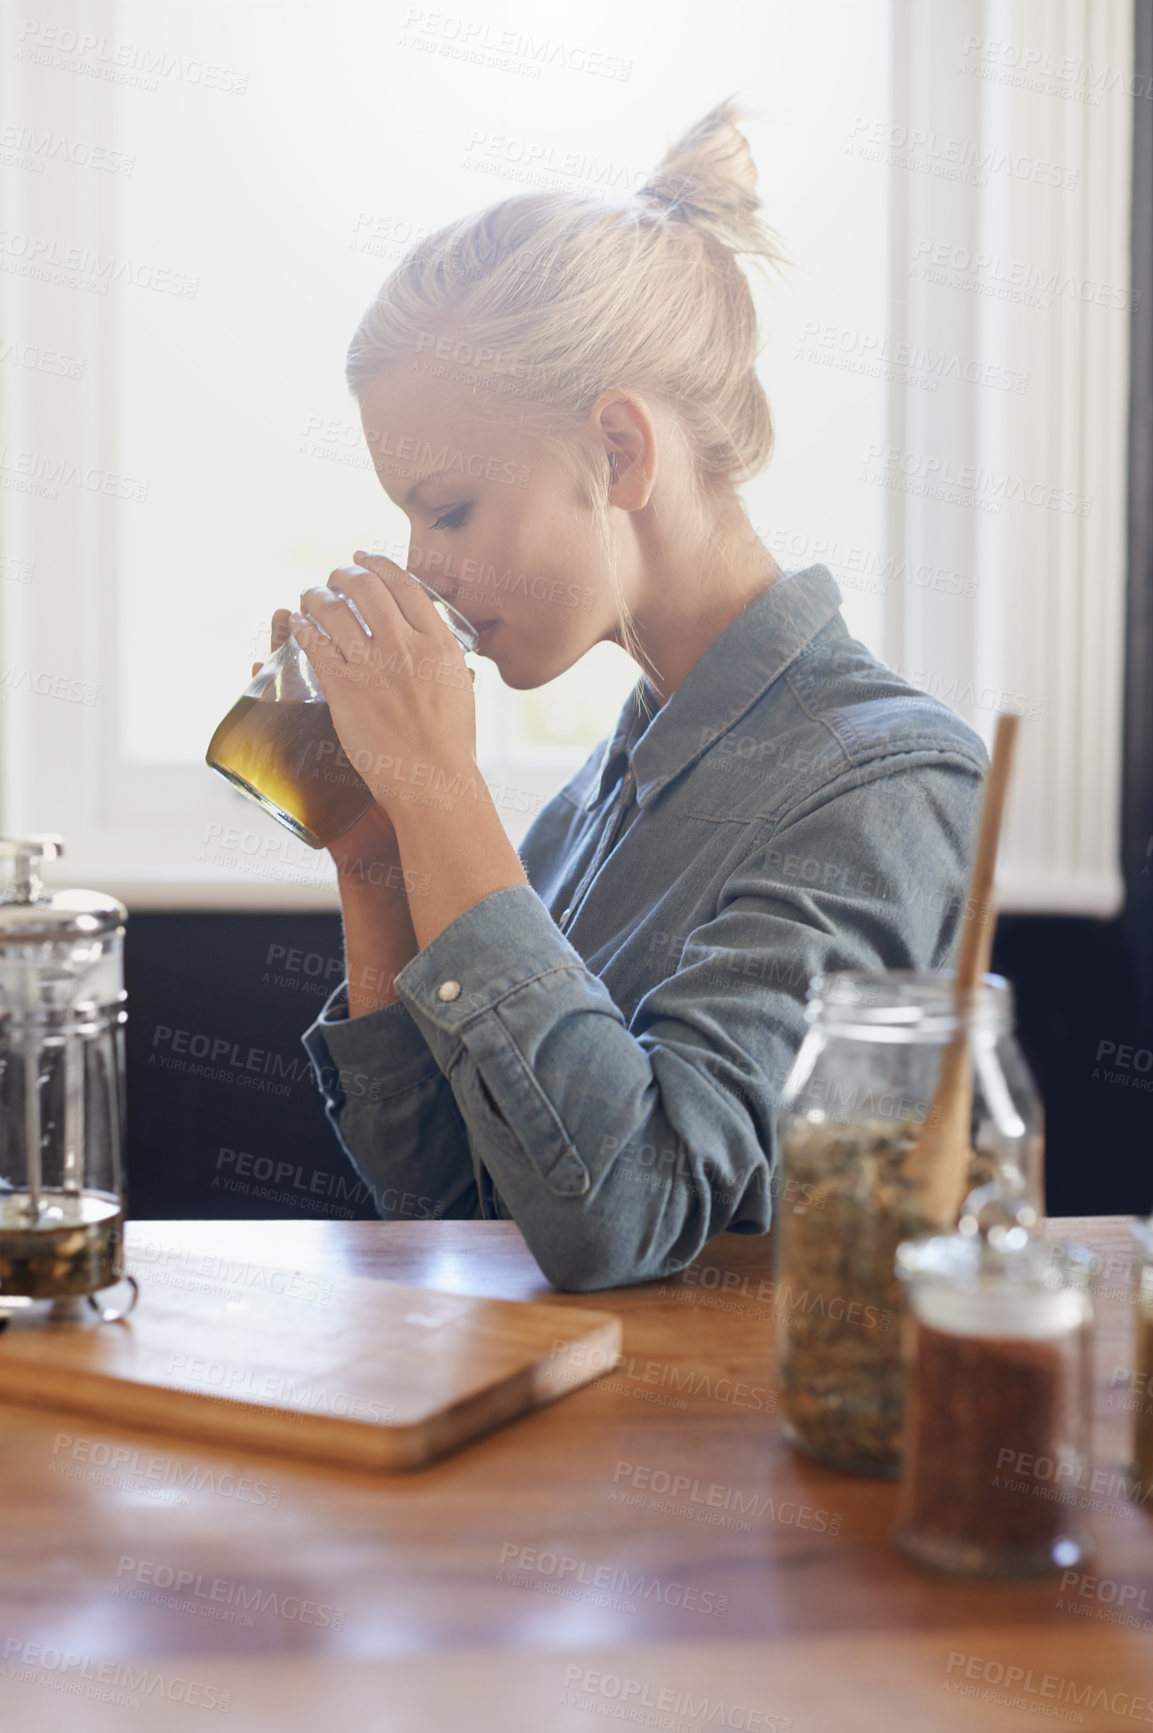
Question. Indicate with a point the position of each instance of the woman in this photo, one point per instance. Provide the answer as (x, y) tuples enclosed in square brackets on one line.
[(591, 1038)]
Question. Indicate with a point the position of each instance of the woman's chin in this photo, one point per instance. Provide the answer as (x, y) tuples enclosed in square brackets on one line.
[(524, 674), (521, 669), (515, 677), (508, 667)]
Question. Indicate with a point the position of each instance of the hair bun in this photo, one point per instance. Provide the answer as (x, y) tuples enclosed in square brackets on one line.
[(649, 294), (708, 179)]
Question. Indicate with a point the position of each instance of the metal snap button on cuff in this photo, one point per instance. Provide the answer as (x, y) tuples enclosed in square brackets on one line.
[(448, 990)]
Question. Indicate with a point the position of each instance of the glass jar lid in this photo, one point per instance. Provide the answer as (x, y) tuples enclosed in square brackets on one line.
[(905, 1005), (998, 1275)]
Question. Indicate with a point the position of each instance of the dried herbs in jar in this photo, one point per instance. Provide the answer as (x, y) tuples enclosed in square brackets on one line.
[(839, 1300)]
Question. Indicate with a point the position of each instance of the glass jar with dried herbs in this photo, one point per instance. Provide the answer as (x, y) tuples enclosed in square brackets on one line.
[(996, 1446), (855, 1131)]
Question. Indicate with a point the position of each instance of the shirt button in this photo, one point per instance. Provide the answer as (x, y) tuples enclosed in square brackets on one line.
[(564, 916), (448, 990)]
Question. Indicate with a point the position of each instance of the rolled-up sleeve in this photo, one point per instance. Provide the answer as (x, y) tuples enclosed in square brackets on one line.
[(393, 1112), (620, 1149)]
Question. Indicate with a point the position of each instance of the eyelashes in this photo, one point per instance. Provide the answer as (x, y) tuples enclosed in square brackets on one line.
[(454, 519)]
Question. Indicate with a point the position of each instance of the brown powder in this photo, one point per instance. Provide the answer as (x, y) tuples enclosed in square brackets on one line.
[(981, 1410)]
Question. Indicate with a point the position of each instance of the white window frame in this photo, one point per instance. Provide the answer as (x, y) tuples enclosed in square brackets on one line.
[(1047, 624)]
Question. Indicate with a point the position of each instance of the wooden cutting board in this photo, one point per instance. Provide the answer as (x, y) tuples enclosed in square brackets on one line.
[(355, 1373)]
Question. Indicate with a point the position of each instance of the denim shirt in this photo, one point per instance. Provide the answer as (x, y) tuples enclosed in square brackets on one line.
[(608, 1073)]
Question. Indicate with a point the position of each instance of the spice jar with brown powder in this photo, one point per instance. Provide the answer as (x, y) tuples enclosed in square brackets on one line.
[(995, 1461), (855, 1105)]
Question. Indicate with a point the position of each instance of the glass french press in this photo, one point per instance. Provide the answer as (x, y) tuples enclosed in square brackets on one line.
[(61, 1087)]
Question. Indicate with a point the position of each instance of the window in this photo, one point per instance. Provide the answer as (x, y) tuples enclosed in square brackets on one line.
[(201, 199)]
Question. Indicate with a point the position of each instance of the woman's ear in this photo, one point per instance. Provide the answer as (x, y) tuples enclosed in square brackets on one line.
[(622, 425)]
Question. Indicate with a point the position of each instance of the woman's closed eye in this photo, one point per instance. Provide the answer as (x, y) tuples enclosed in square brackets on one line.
[(453, 519)]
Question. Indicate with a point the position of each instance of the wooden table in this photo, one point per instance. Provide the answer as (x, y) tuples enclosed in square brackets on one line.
[(648, 1549)]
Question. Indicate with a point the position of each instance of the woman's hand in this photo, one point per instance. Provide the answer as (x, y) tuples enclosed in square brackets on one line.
[(371, 841), (401, 700), (403, 709)]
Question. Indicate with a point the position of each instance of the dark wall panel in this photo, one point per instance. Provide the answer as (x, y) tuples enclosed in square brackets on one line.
[(224, 1120), (1092, 1057), (224, 1117)]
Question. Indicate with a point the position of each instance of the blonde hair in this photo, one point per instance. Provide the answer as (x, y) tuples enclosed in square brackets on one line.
[(545, 300)]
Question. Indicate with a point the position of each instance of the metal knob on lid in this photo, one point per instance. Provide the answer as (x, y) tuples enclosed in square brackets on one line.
[(25, 884), (61, 1083)]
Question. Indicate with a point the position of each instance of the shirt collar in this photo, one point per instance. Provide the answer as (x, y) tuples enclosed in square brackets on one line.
[(725, 681)]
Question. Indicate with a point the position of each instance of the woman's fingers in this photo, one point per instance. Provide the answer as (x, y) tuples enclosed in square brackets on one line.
[(325, 605), (354, 595), (281, 631), (327, 662), (413, 602), (363, 617)]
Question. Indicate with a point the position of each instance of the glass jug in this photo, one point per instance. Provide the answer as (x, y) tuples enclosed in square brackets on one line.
[(278, 745), (856, 1100), (61, 1084)]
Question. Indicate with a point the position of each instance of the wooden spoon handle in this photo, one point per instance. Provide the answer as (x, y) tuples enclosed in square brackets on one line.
[(939, 1165), (977, 927)]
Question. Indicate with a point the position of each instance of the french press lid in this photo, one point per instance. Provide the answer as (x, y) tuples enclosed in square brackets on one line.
[(29, 913)]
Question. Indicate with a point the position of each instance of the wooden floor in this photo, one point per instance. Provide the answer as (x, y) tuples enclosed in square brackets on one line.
[(647, 1549)]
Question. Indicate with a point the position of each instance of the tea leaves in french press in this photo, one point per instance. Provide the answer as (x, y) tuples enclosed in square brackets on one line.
[(61, 1086)]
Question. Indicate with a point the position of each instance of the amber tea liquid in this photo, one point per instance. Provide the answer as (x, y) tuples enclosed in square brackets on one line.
[(287, 756)]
